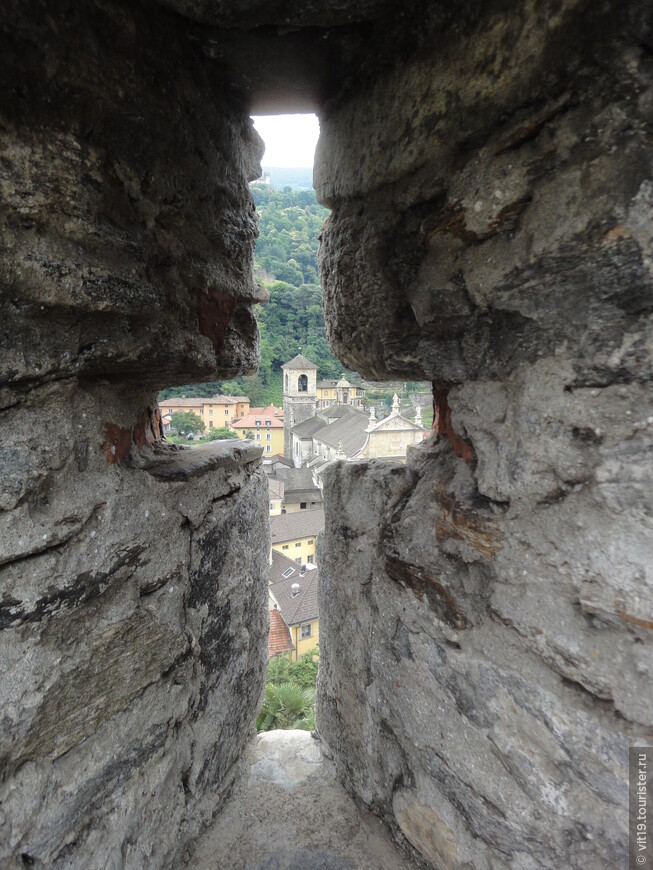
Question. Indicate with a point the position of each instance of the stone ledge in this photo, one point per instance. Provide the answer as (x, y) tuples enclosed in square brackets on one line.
[(287, 810), (185, 463)]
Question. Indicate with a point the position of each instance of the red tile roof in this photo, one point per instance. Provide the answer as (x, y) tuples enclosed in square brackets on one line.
[(279, 640), (268, 411), (274, 415)]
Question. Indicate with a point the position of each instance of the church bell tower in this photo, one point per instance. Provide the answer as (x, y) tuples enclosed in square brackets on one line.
[(299, 396)]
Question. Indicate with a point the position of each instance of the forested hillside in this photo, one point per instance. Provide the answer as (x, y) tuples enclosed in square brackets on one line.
[(285, 262)]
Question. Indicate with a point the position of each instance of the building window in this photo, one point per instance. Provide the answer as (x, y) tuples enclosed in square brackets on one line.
[(298, 544), (258, 423), (302, 505), (258, 436), (268, 448), (285, 546), (310, 543), (288, 573), (210, 410), (268, 422), (271, 505), (268, 436), (310, 559), (299, 561), (226, 410), (307, 631), (210, 424), (302, 384)]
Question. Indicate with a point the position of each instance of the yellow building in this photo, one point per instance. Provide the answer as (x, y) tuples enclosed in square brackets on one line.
[(305, 636), (214, 411), (263, 425), (333, 392), (294, 535), (326, 393), (293, 592)]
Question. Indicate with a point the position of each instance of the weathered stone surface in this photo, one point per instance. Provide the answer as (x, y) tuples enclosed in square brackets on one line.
[(287, 809), (133, 611), (491, 198), (134, 622), (127, 226), (486, 666), (279, 13), (489, 660), (486, 610)]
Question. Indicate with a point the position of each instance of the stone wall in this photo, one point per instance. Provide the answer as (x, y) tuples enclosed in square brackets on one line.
[(483, 673), (133, 607), (486, 610)]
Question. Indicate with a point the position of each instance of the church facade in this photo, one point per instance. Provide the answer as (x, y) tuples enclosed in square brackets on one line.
[(344, 432), (324, 421)]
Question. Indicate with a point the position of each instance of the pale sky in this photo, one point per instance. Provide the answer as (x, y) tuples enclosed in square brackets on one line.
[(290, 140)]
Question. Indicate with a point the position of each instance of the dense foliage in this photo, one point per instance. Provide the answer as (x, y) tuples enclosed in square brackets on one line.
[(220, 433), (289, 700), (285, 262), (186, 423)]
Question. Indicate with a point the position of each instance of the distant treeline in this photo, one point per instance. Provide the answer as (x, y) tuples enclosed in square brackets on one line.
[(298, 178)]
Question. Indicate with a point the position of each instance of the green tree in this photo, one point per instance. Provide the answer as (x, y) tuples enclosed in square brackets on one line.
[(220, 433), (186, 423), (289, 700), (287, 706)]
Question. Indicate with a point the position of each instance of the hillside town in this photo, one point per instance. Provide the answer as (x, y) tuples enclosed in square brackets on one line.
[(321, 421)]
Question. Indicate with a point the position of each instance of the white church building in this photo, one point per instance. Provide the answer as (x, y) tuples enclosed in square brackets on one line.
[(315, 435)]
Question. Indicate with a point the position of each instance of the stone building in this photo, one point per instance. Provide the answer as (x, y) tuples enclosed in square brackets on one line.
[(299, 395), (344, 432), (488, 663), (339, 392), (299, 492)]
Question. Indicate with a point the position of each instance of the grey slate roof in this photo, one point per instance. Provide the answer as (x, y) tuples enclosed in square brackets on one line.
[(307, 608), (350, 429), (304, 495), (270, 462), (290, 527), (334, 412), (335, 424), (296, 480), (281, 563), (303, 607), (306, 428), (299, 362)]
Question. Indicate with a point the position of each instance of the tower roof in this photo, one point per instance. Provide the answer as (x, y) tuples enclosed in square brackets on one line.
[(299, 362)]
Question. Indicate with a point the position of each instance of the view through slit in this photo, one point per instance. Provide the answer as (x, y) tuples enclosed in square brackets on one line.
[(302, 407)]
